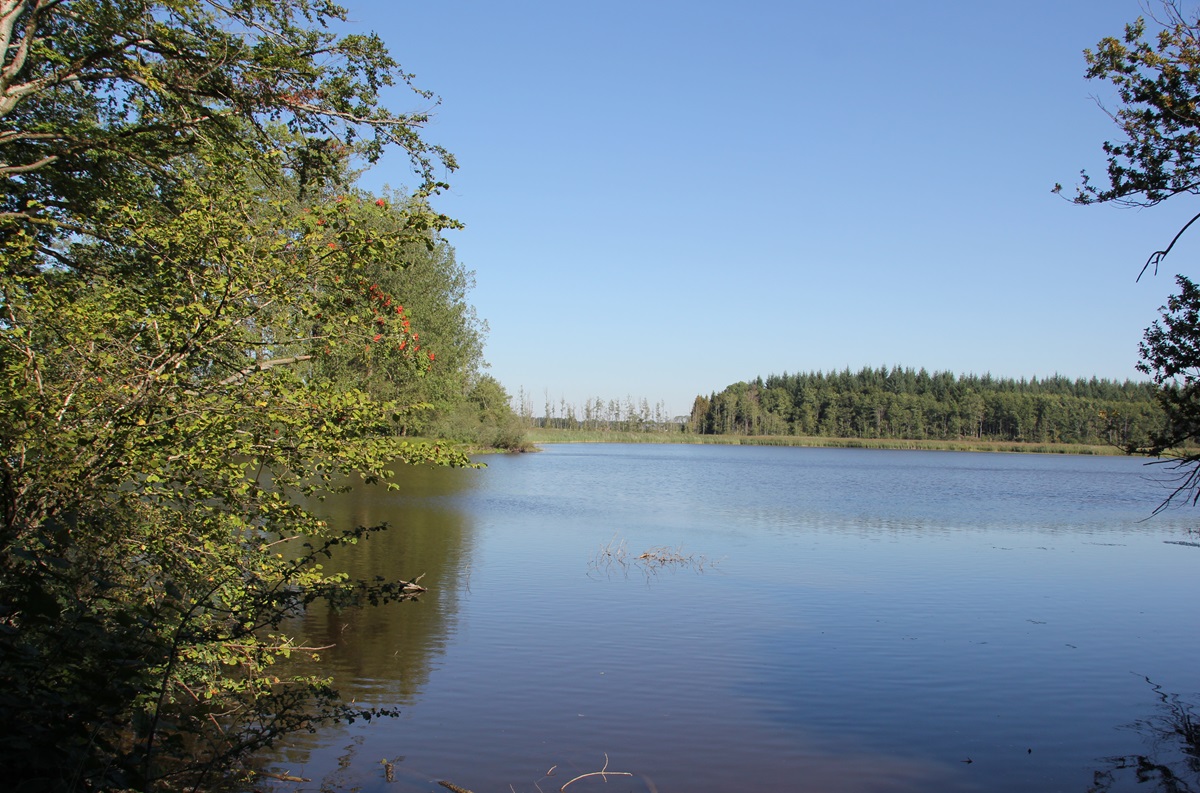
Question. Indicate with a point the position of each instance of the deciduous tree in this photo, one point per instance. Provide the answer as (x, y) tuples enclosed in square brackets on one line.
[(162, 307), (98, 96), (1155, 69)]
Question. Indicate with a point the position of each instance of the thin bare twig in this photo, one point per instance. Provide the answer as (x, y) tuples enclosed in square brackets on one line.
[(603, 772), (1158, 256)]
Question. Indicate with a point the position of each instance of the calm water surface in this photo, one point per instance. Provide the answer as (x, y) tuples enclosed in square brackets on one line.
[(843, 620)]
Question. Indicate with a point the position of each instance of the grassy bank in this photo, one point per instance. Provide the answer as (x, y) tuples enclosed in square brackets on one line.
[(543, 436)]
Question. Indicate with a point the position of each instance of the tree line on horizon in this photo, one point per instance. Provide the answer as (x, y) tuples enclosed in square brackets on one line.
[(596, 414), (903, 403)]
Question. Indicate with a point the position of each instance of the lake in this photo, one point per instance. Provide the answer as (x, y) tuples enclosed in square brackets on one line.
[(799, 619)]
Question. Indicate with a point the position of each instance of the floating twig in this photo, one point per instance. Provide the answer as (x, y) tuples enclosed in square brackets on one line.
[(603, 772)]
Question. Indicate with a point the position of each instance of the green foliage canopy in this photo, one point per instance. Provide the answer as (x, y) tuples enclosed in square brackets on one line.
[(175, 262), (98, 97), (423, 276), (909, 404)]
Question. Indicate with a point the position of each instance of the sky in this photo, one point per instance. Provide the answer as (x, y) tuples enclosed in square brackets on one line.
[(663, 198)]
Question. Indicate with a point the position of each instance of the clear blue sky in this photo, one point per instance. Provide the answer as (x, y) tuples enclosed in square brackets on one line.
[(663, 198)]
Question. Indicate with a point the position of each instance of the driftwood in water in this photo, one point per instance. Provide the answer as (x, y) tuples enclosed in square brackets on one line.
[(283, 777), (452, 786), (413, 587)]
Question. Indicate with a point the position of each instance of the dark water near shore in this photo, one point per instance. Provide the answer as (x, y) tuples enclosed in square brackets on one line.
[(836, 620)]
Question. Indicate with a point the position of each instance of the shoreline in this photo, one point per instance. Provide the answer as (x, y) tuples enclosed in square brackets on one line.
[(539, 436)]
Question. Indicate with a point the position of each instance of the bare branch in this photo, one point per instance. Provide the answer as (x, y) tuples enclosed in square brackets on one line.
[(1158, 256), (9, 170), (263, 366)]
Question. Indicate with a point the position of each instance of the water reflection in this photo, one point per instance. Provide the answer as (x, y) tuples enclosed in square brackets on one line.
[(875, 621), (1172, 760), (383, 656)]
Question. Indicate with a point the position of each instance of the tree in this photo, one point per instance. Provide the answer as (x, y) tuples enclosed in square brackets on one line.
[(485, 418), (164, 304), (423, 276), (1158, 158), (1170, 354), (876, 404), (169, 417), (98, 96)]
